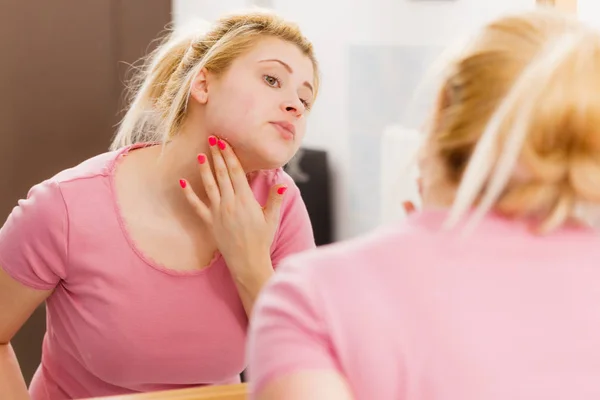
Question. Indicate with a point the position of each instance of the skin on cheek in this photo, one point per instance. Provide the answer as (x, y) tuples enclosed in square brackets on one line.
[(239, 123), (249, 108)]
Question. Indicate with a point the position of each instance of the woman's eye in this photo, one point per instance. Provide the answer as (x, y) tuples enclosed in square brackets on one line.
[(271, 81), (306, 104)]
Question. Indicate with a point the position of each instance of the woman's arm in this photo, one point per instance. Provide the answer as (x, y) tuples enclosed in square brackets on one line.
[(12, 383), (294, 235), (33, 258), (17, 303), (249, 285)]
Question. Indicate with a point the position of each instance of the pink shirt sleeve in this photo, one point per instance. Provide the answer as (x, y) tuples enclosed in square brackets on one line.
[(33, 240), (287, 331), (295, 232)]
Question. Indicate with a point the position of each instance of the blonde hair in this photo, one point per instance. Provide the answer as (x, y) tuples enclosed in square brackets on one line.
[(159, 93), (517, 124)]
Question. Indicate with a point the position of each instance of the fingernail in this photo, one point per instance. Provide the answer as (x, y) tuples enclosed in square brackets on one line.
[(281, 190), (409, 207), (182, 183), (221, 144), (212, 140), (201, 158)]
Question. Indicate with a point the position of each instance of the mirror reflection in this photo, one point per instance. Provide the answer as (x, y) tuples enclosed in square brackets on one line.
[(299, 200)]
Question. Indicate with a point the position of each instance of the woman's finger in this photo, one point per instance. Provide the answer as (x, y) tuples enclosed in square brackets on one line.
[(210, 185), (201, 208), (272, 209), (409, 207), (238, 177), (225, 186)]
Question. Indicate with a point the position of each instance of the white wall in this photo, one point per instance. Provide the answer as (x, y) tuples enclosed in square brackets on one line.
[(336, 25), (184, 10), (589, 11)]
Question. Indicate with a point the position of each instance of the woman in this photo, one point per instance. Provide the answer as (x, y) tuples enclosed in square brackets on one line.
[(148, 262), (491, 291)]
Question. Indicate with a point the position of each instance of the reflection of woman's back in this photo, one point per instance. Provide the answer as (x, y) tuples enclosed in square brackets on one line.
[(141, 294), (506, 308)]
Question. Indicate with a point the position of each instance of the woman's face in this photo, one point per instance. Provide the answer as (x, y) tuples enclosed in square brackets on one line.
[(260, 104)]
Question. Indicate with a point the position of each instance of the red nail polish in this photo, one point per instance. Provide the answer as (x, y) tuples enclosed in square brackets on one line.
[(201, 158), (409, 207), (182, 183), (221, 144), (281, 190), (212, 140)]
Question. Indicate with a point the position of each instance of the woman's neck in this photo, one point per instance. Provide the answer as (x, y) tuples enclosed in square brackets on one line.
[(161, 167)]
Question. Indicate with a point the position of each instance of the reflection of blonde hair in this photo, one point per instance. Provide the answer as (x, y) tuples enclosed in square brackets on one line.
[(517, 124), (160, 92)]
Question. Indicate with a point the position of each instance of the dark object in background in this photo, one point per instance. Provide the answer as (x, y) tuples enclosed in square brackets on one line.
[(310, 170)]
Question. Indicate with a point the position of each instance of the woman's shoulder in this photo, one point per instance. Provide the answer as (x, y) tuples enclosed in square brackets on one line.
[(36, 235), (100, 165), (421, 244), (85, 183), (372, 254)]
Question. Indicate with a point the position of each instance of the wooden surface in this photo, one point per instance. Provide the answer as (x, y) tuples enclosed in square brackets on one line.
[(226, 392)]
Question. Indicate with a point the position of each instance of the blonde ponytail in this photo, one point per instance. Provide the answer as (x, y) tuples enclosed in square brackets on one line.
[(140, 123), (516, 129), (491, 166)]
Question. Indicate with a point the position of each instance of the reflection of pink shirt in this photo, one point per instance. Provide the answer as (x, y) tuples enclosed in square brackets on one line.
[(408, 313), (117, 322)]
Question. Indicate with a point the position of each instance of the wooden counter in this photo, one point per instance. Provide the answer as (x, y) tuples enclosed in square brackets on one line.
[(226, 392)]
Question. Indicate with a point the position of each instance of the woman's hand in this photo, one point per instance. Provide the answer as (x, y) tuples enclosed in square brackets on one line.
[(243, 230)]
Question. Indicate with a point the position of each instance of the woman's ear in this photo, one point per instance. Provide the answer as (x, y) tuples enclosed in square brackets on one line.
[(200, 87)]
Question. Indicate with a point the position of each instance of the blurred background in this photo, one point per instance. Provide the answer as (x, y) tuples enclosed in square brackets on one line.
[(64, 63)]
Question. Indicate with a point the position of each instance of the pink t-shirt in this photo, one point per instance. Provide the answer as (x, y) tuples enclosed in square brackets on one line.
[(118, 323), (410, 313)]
